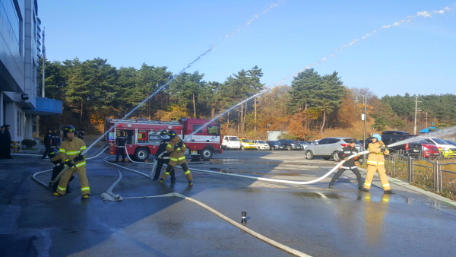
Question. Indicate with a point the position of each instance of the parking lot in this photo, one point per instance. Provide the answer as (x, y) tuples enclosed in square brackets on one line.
[(153, 219)]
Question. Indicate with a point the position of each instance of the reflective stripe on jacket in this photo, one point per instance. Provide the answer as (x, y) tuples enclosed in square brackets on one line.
[(376, 156), (70, 149)]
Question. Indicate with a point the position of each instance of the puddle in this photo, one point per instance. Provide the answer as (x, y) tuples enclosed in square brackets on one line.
[(318, 195)]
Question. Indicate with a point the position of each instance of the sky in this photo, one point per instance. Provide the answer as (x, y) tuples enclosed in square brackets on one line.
[(389, 47)]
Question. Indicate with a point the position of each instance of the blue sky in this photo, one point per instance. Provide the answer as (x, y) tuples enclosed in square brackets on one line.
[(282, 38)]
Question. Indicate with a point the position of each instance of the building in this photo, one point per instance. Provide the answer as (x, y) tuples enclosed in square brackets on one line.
[(20, 43)]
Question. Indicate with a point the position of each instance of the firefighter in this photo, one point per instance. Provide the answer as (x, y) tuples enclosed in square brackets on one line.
[(349, 164), (162, 156), (376, 163), (120, 145), (7, 142), (56, 140), (58, 167), (47, 143), (176, 149), (70, 151)]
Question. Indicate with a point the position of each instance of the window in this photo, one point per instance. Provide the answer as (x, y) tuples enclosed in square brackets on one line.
[(198, 128), (333, 140), (323, 141), (213, 130)]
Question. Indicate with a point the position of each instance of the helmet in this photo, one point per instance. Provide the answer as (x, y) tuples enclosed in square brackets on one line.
[(379, 138), (172, 134), (163, 132), (54, 152), (68, 128)]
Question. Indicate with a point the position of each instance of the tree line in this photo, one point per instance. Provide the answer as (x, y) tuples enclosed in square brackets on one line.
[(93, 90)]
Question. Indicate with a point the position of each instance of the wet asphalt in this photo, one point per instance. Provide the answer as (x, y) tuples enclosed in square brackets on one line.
[(311, 219)]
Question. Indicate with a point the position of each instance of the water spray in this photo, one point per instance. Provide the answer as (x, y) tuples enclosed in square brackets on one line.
[(182, 71), (424, 14)]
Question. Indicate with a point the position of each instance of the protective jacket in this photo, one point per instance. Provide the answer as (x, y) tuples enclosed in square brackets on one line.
[(68, 151), (347, 152), (376, 156), (55, 142), (176, 153), (376, 163), (162, 148), (120, 141)]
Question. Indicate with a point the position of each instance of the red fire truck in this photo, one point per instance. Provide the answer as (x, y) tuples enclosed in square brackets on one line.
[(143, 136)]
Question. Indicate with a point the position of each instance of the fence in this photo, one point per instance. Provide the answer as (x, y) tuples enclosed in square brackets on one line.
[(438, 176)]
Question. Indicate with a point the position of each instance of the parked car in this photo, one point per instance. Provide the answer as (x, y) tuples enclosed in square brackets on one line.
[(446, 149), (408, 148), (290, 144), (450, 142), (303, 144), (246, 144), (275, 145), (429, 150), (395, 132), (329, 147), (231, 142), (261, 145)]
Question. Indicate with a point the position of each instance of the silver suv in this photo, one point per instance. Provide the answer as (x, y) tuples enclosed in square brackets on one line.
[(329, 147)]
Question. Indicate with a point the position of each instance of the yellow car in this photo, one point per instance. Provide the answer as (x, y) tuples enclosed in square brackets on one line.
[(247, 144)]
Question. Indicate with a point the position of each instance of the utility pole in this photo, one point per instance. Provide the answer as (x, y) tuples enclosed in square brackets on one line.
[(426, 120), (416, 110)]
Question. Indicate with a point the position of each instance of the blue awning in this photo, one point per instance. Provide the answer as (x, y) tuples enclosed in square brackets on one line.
[(46, 106), (427, 130)]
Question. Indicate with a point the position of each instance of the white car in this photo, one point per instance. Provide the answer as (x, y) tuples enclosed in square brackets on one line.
[(445, 148), (261, 145), (231, 142)]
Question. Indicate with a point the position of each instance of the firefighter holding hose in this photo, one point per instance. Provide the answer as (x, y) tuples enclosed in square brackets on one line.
[(162, 156), (349, 164), (176, 149), (376, 163), (70, 151)]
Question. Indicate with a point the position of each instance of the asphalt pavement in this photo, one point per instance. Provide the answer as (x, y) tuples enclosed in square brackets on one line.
[(283, 219)]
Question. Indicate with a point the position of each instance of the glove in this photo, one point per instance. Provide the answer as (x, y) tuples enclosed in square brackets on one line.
[(78, 158), (180, 144), (382, 148), (70, 163)]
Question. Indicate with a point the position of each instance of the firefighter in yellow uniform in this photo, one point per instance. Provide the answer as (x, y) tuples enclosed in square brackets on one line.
[(376, 163), (176, 149), (70, 151)]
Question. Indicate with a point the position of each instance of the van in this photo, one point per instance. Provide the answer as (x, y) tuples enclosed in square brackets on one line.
[(231, 142)]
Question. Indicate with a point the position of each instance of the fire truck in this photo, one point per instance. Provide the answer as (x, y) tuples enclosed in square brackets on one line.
[(143, 136)]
